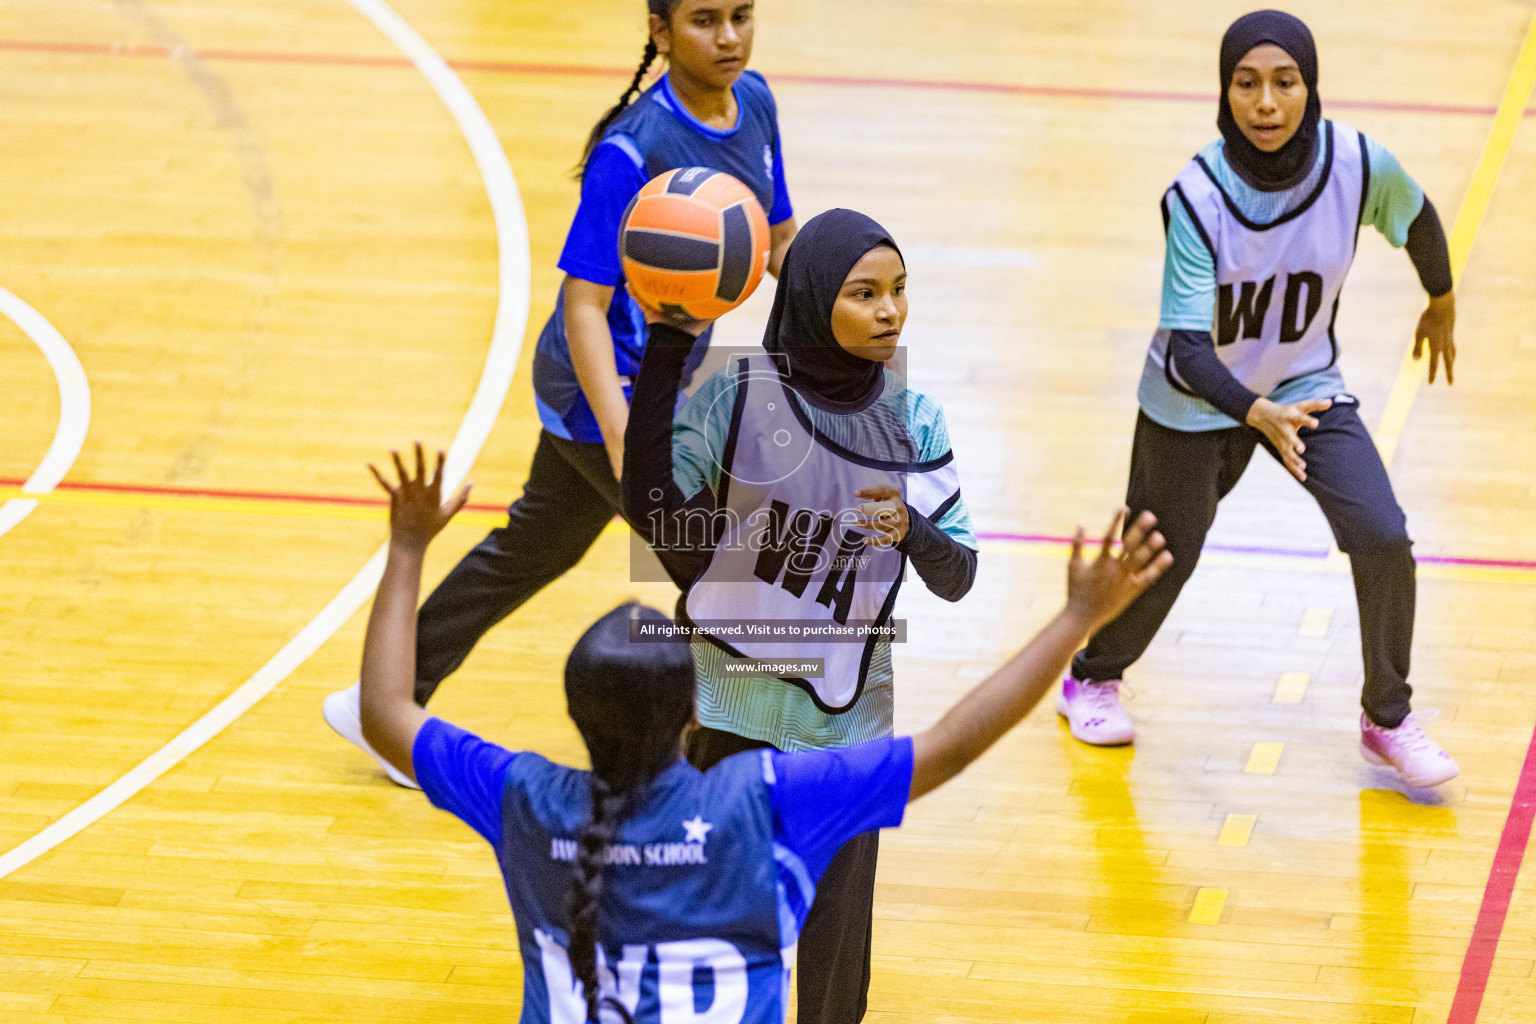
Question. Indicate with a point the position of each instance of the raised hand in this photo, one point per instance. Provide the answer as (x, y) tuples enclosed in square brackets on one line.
[(1437, 325), (416, 509), (1282, 425), (1099, 590), (657, 316)]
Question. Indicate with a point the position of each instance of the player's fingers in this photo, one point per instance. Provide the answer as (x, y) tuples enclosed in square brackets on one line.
[(1418, 345), (1137, 532), (1076, 558), (421, 464), (380, 478), (1314, 404), (1116, 528), (1138, 557), (1292, 462), (1159, 565), (437, 471), (459, 500), (394, 453), (1450, 364), (879, 492)]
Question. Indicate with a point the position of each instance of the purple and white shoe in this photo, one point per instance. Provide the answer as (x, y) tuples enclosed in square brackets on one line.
[(1417, 758), (1094, 713)]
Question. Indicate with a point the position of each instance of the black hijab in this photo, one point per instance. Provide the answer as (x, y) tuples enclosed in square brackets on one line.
[(1287, 166), (800, 326)]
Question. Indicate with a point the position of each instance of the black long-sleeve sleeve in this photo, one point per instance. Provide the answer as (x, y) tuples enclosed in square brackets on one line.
[(1194, 358), (946, 566), (681, 529), (1428, 250)]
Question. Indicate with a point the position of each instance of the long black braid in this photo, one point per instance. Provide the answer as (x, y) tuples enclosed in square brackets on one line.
[(591, 854), (663, 10), (631, 701)]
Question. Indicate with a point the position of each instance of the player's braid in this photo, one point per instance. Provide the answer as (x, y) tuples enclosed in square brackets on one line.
[(587, 889), (631, 701), (662, 9)]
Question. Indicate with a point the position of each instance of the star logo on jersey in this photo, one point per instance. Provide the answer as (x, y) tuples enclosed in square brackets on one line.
[(697, 829)]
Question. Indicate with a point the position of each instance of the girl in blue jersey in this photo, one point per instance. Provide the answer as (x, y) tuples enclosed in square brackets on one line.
[(706, 110), (1261, 229), (646, 890), (803, 481)]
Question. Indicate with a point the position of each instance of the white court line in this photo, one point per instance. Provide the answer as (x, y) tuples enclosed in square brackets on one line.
[(495, 379), (74, 407)]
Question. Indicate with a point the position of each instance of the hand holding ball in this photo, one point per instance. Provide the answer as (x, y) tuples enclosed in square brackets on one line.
[(694, 244)]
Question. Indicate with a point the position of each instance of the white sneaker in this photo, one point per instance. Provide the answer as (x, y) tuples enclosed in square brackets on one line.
[(1417, 758), (1093, 711), (342, 711)]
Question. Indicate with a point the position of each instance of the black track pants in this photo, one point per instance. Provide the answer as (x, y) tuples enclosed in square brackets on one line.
[(570, 496), (1182, 475)]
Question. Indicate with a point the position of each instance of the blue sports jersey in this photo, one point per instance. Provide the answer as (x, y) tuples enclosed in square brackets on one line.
[(708, 880), (655, 134)]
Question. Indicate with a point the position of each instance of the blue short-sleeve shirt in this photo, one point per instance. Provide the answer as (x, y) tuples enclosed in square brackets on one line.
[(655, 134), (821, 798)]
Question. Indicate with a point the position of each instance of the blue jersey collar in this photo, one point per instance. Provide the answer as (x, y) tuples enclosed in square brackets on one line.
[(664, 95)]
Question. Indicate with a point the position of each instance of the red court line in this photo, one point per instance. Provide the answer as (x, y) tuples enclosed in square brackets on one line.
[(1478, 963), (591, 71), (220, 493), (347, 500)]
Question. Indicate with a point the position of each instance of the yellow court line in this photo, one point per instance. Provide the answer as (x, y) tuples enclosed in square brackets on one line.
[(1474, 206)]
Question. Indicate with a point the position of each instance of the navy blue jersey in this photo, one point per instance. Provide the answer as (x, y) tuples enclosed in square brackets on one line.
[(707, 882), (655, 134)]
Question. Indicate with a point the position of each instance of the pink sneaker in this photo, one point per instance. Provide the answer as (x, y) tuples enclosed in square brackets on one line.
[(1093, 711), (1417, 758)]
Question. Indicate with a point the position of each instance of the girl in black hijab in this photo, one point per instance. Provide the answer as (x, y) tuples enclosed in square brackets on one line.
[(800, 326), (1285, 167), (1261, 230), (800, 483)]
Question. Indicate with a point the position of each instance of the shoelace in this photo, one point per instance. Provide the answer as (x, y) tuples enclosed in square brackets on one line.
[(1104, 696), (1411, 732)]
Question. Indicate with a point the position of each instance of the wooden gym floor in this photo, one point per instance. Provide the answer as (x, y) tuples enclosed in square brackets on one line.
[(263, 231)]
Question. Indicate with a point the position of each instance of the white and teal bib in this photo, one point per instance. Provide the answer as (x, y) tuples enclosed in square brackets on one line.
[(1277, 283), (791, 552)]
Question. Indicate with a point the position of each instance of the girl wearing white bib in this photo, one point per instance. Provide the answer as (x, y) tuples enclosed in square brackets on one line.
[(802, 482), (1261, 230)]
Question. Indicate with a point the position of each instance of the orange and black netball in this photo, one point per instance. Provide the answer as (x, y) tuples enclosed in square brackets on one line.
[(694, 243)]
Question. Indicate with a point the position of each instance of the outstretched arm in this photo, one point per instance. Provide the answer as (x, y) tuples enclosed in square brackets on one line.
[(390, 714), (1097, 591)]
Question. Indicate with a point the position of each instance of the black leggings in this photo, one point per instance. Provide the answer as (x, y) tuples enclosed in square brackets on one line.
[(1182, 475), (832, 959), (570, 496)]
